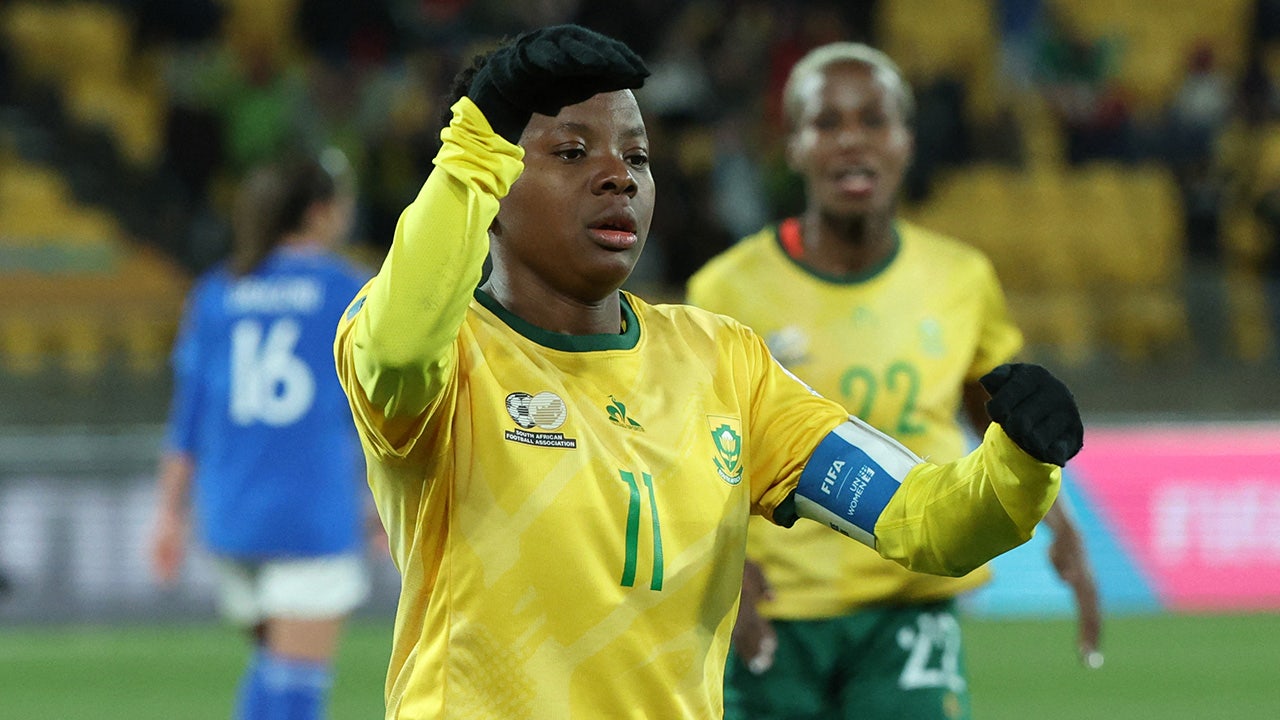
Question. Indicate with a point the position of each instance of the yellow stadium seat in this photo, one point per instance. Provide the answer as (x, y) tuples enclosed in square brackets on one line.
[(1059, 325), (26, 184), (1142, 324), (92, 226), (33, 202), (99, 38), (1102, 231), (1252, 336), (263, 25), (1020, 220), (1154, 203), (1152, 69), (1129, 231), (31, 31), (1093, 18), (1266, 173), (134, 116), (928, 39), (147, 342), (78, 294), (1244, 239), (63, 42), (20, 342), (83, 344)]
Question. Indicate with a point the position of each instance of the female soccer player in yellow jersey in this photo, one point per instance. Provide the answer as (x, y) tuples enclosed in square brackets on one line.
[(565, 471), (899, 324)]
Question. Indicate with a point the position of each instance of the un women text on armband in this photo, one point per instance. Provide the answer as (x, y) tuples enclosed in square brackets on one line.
[(850, 478)]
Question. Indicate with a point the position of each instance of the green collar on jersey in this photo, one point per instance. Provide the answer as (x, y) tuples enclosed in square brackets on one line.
[(787, 235), (624, 340)]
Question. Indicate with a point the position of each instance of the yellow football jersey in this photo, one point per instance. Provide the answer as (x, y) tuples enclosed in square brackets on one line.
[(581, 494), (894, 345), (569, 513)]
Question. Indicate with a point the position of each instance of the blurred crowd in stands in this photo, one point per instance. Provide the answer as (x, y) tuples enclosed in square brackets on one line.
[(172, 100)]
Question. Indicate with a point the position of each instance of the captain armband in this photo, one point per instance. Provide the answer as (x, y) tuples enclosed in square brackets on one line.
[(850, 478)]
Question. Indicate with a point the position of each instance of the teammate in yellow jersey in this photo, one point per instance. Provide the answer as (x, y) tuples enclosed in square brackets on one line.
[(898, 323), (565, 471)]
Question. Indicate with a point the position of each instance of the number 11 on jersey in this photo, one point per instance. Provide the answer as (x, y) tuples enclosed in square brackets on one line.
[(633, 531)]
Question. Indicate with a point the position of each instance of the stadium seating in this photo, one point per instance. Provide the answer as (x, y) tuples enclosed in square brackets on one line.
[(1157, 38), (84, 51), (957, 38), (1091, 257), (1086, 255), (75, 292), (133, 115)]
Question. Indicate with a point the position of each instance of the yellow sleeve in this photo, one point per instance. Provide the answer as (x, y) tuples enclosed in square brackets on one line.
[(950, 519), (999, 339), (787, 419), (395, 348)]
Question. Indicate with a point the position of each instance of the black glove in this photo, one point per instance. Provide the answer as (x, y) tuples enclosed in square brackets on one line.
[(544, 70), (1036, 411)]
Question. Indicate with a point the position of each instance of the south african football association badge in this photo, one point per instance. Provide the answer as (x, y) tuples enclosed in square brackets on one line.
[(544, 411), (726, 433)]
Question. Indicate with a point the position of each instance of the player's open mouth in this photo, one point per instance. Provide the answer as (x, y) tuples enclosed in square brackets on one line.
[(616, 232), (857, 180)]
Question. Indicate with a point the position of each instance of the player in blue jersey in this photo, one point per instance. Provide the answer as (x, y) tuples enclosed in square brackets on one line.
[(261, 461)]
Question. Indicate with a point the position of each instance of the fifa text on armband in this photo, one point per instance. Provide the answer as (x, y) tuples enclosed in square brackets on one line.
[(833, 474)]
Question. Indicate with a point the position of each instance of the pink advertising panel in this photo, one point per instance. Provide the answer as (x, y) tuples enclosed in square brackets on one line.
[(1196, 506)]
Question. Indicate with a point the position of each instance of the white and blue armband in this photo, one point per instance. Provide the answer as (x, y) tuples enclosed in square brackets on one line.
[(850, 478)]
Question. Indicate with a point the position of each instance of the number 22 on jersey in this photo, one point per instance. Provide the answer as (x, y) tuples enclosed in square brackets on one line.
[(860, 388)]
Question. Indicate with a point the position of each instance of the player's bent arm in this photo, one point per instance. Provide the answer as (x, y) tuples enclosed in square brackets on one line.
[(939, 519), (402, 329)]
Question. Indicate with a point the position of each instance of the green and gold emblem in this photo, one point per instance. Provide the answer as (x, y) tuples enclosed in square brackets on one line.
[(726, 433)]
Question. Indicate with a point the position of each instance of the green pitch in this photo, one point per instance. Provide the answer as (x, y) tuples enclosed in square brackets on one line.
[(1157, 667)]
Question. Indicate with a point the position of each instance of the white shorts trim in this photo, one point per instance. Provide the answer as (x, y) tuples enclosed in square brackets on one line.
[(301, 589)]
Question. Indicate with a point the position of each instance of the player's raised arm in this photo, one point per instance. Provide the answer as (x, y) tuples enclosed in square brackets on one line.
[(397, 341), (948, 519)]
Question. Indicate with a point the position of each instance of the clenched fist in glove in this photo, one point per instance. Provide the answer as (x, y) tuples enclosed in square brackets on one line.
[(1036, 411), (545, 70)]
